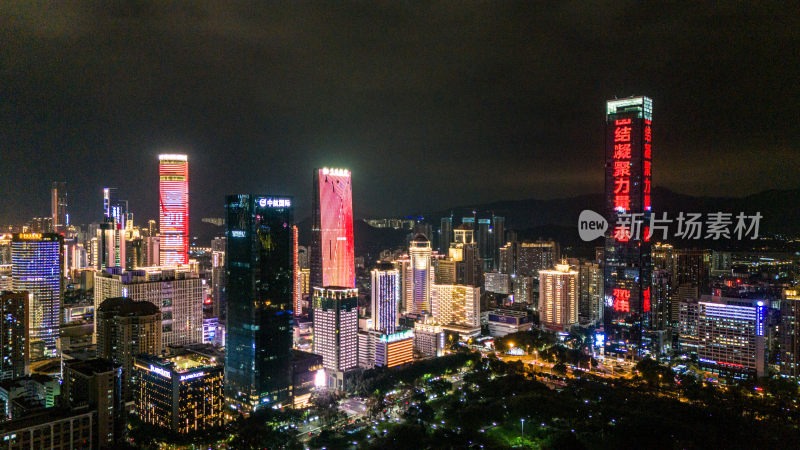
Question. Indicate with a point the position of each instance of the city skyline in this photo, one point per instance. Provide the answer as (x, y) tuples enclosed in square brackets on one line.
[(431, 286), (525, 100)]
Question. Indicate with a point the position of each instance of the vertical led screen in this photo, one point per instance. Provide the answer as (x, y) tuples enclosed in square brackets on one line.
[(628, 205), (173, 207), (332, 249)]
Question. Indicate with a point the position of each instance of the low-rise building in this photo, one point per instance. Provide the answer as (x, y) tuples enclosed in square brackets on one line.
[(507, 321), (182, 392)]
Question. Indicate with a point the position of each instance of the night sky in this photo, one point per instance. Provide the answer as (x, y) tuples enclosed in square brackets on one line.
[(429, 104)]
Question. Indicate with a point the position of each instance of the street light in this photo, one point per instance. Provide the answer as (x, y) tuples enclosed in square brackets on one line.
[(523, 427)]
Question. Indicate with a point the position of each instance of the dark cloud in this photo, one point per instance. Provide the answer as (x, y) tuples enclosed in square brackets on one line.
[(429, 104)]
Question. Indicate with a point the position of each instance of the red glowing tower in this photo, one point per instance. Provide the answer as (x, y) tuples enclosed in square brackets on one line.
[(173, 208), (628, 266), (332, 252)]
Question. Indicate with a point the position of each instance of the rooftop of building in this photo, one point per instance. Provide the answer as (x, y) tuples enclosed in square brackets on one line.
[(299, 355), (21, 382), (383, 265), (336, 291), (509, 312), (91, 367), (420, 238), (46, 367), (126, 307), (183, 360)]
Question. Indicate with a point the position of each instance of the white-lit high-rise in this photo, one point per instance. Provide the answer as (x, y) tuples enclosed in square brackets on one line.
[(421, 274), (336, 327), (178, 294), (385, 298), (558, 298)]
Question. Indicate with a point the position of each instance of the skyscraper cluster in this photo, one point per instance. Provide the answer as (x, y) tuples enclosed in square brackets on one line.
[(256, 320)]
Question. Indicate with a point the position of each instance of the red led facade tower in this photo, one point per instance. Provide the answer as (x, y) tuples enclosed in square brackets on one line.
[(173, 209), (332, 252), (628, 174)]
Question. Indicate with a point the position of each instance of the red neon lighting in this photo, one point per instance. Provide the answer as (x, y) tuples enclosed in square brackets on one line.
[(622, 185), (174, 211), (646, 299), (622, 169), (296, 290), (730, 364), (622, 151), (622, 202), (622, 134), (622, 300), (336, 223), (619, 122)]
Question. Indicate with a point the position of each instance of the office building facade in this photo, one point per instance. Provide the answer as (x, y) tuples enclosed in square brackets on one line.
[(14, 334), (182, 392), (126, 328), (558, 298), (260, 264), (336, 327), (37, 267), (385, 288)]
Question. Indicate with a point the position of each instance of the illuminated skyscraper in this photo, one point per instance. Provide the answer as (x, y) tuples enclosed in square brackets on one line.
[(260, 266), (218, 291), (114, 209), (385, 298), (484, 244), (332, 252), (174, 209), (627, 260), (37, 267), (110, 245), (126, 328), (14, 356), (535, 256), (789, 357), (58, 205), (336, 328), (558, 298), (421, 274), (178, 294), (455, 304)]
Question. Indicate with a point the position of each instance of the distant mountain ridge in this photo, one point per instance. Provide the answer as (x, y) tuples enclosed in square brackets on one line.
[(780, 209)]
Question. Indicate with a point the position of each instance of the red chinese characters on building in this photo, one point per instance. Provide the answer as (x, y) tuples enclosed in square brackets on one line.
[(648, 153), (622, 165), (622, 300), (646, 299)]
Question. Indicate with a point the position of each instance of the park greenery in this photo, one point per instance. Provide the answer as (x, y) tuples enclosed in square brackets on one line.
[(472, 400)]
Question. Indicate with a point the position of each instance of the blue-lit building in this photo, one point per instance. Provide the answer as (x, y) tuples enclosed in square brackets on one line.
[(260, 267), (37, 265), (731, 334)]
